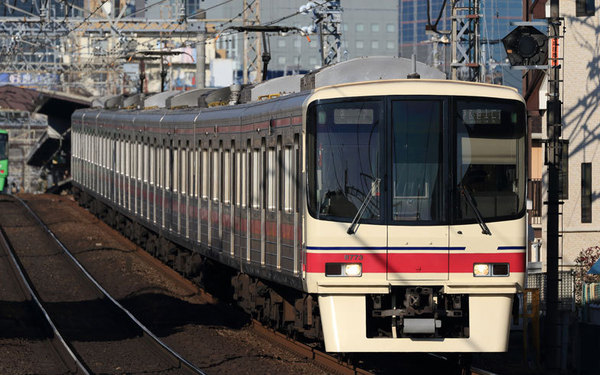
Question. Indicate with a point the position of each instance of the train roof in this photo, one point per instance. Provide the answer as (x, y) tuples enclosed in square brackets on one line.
[(239, 104)]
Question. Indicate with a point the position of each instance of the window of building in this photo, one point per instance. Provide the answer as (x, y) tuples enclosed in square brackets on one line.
[(297, 42), (375, 44), (312, 61), (586, 192), (360, 44), (390, 28), (391, 45), (375, 27), (585, 8), (281, 43), (360, 27), (281, 60)]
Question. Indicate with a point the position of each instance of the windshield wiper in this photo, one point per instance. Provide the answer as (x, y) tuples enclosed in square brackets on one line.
[(471, 202), (363, 206)]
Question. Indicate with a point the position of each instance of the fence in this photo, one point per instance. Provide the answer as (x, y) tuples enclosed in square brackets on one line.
[(566, 289)]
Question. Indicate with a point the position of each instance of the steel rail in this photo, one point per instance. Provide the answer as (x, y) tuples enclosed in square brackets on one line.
[(147, 332), (322, 359), (62, 347)]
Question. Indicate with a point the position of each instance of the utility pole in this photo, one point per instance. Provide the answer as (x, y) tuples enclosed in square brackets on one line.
[(553, 156), (466, 39), (201, 57), (252, 61)]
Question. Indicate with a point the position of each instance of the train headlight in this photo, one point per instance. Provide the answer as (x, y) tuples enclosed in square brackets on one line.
[(481, 269), (343, 269), (353, 270), (491, 269)]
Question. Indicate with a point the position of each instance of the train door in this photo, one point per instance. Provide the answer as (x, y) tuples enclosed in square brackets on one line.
[(418, 243)]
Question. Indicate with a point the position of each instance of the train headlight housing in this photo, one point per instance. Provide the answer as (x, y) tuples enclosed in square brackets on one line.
[(490, 269), (480, 269), (343, 269), (353, 270)]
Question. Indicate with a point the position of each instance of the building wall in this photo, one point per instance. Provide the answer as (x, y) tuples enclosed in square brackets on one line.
[(581, 120)]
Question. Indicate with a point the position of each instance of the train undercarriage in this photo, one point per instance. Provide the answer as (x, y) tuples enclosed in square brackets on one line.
[(276, 306)]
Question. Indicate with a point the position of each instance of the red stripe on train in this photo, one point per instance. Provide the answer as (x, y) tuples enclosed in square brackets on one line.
[(416, 262)]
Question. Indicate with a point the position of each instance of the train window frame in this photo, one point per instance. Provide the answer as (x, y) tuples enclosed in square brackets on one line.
[(453, 139), (215, 175), (244, 176), (271, 177), (288, 155), (310, 147), (227, 177), (254, 179), (168, 166), (205, 173)]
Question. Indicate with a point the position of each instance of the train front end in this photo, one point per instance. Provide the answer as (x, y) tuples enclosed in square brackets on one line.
[(415, 230)]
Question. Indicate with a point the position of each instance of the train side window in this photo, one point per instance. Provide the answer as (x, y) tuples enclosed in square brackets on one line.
[(255, 192), (244, 178), (296, 175), (145, 163), (168, 167), (288, 179), (205, 173), (216, 177), (184, 170), (226, 177), (177, 172), (271, 178), (237, 177), (152, 163), (140, 159)]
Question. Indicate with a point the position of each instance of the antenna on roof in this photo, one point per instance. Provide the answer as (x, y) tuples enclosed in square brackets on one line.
[(414, 74)]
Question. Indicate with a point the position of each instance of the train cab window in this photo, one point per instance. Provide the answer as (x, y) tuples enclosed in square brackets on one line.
[(226, 177), (417, 161), (344, 158), (271, 179), (490, 146)]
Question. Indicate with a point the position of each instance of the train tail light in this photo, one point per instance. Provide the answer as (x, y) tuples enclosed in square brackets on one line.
[(490, 269), (343, 269)]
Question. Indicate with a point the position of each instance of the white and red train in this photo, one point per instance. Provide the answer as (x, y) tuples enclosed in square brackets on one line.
[(382, 215)]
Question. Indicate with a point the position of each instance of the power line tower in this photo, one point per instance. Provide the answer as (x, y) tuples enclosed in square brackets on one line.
[(252, 44), (466, 40), (330, 33)]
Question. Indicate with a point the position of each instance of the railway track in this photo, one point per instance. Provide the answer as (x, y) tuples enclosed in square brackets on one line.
[(92, 332)]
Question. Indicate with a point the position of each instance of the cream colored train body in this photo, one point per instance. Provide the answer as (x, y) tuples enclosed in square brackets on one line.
[(412, 249), (397, 204)]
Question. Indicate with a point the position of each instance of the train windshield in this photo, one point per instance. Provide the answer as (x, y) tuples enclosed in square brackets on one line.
[(415, 165), (3, 146), (346, 159), (490, 144)]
